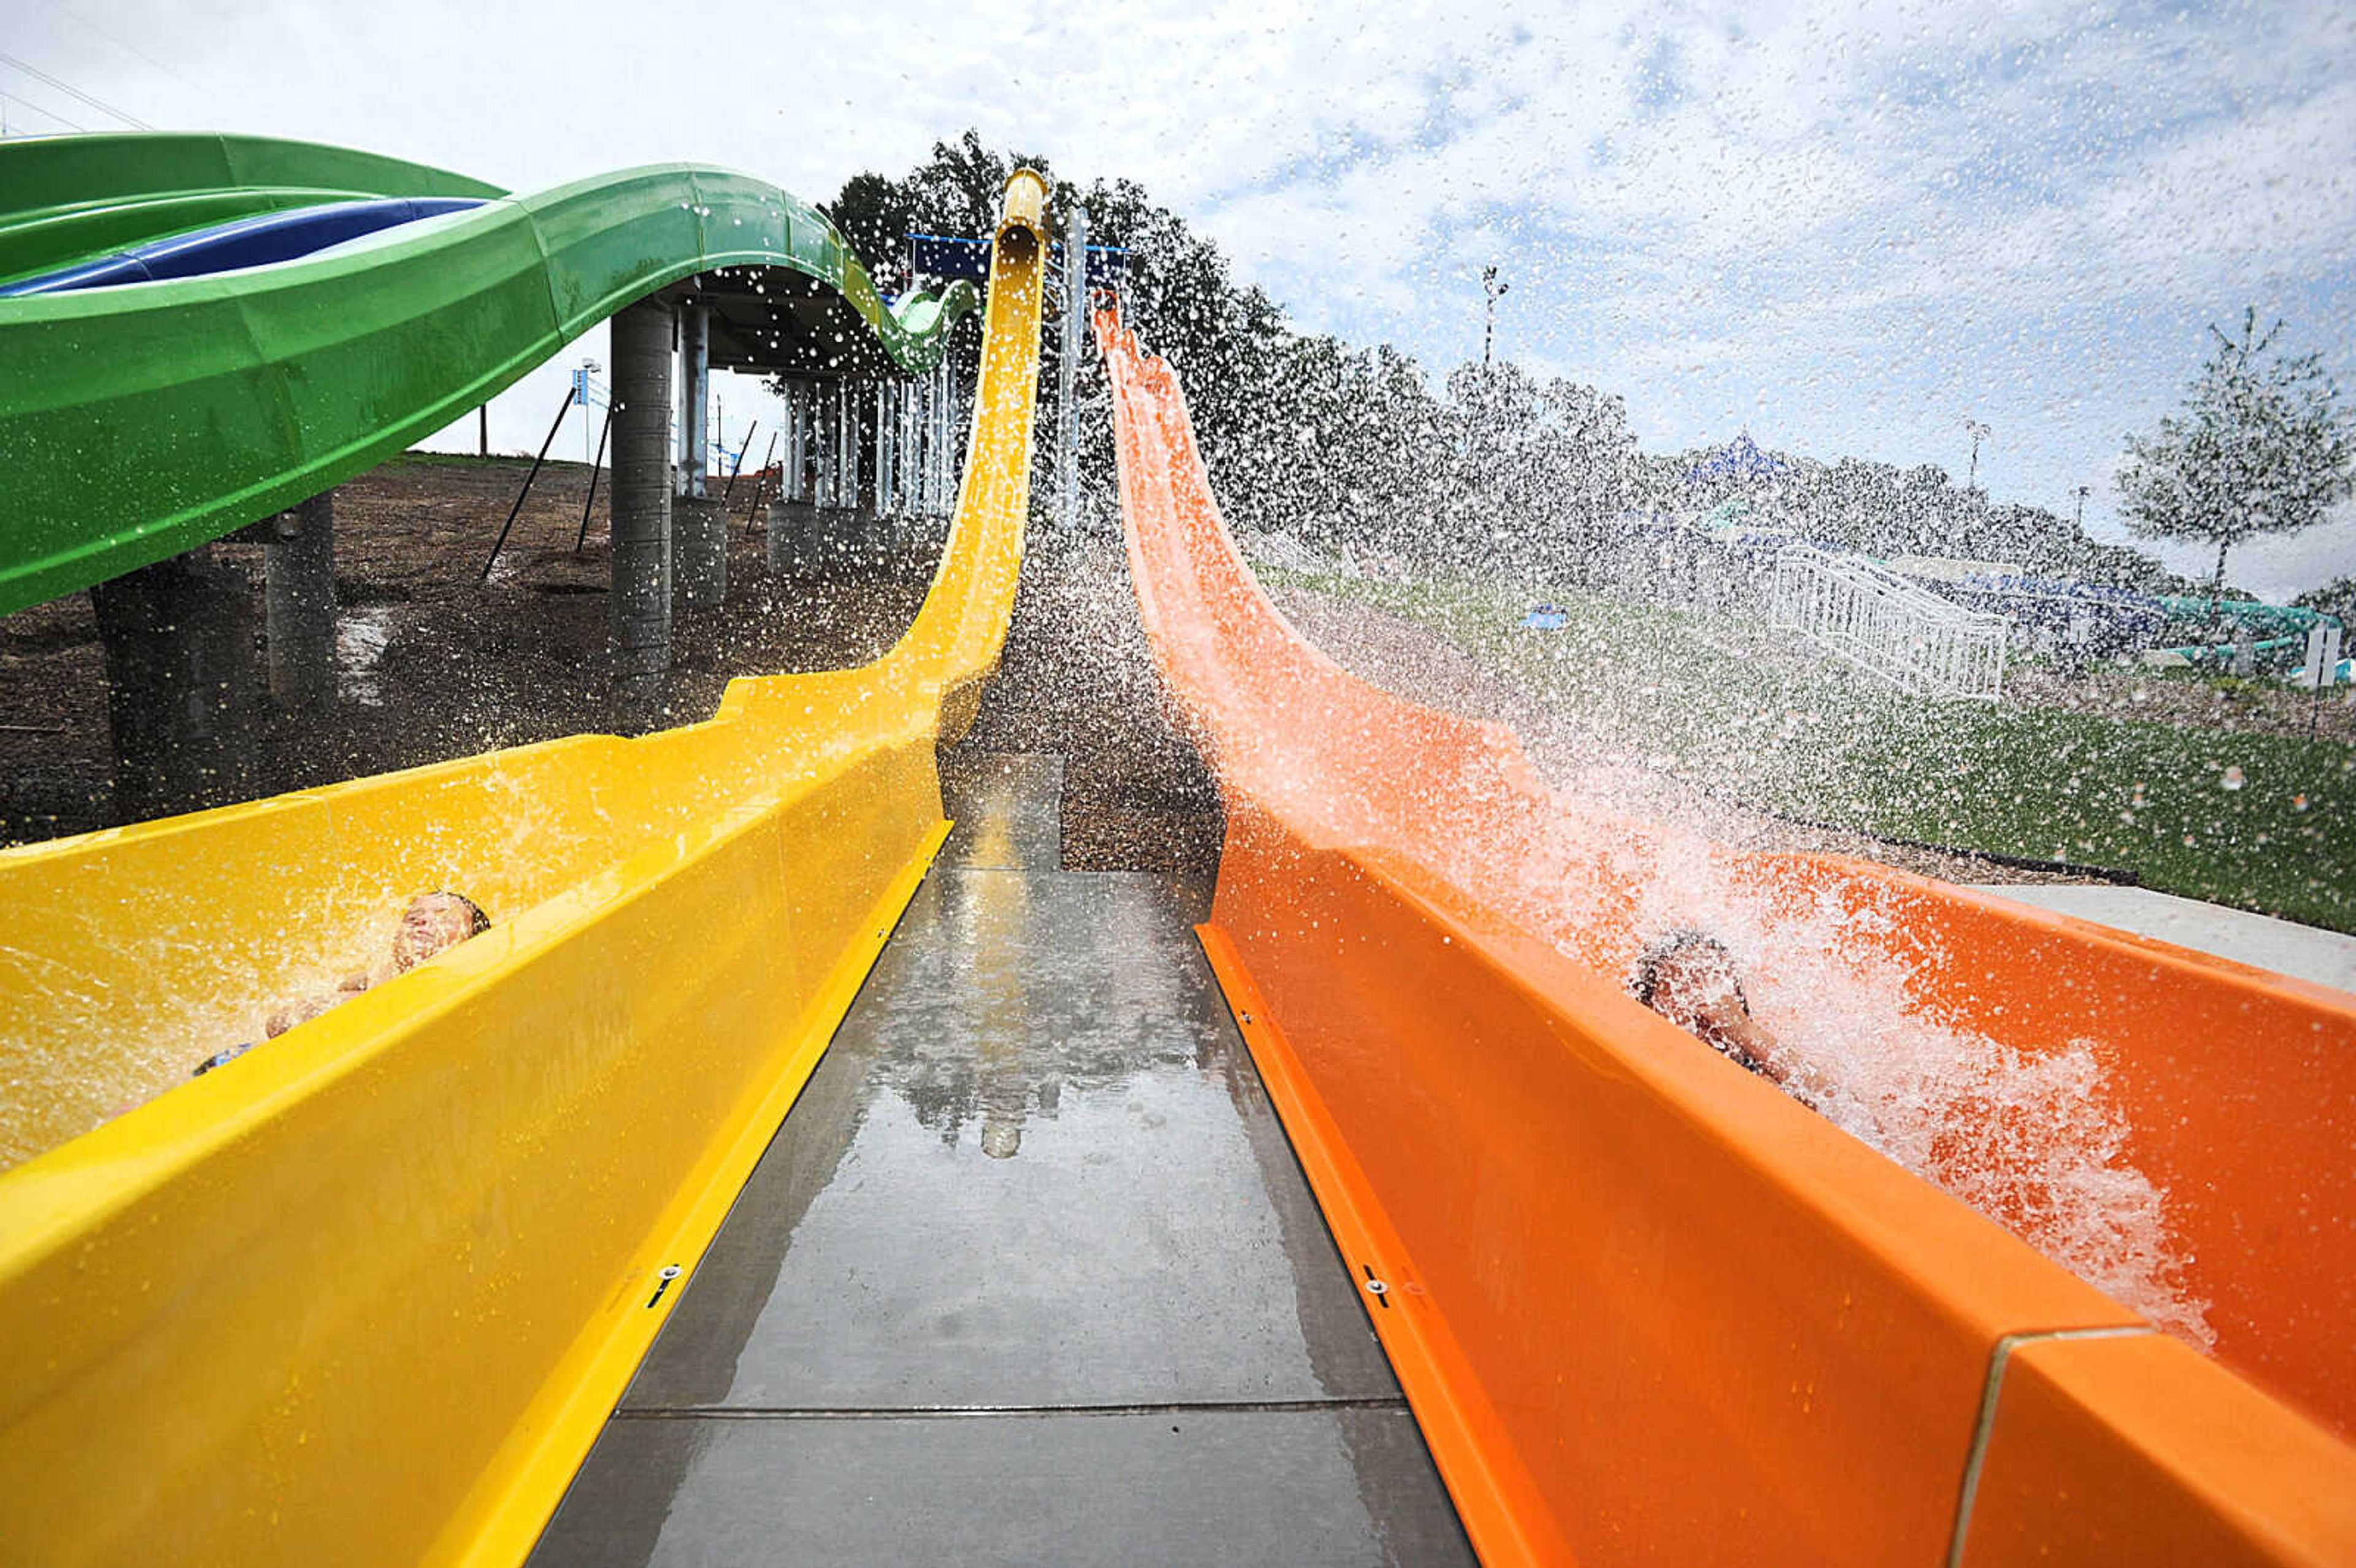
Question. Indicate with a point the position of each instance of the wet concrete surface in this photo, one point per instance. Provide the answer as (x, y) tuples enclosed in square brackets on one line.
[(2305, 952), (1164, 1486), (1029, 1275)]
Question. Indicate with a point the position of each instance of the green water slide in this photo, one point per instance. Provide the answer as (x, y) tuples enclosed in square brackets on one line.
[(141, 418)]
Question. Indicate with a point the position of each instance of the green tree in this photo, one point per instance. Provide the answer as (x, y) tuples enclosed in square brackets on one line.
[(2259, 447), (2336, 598)]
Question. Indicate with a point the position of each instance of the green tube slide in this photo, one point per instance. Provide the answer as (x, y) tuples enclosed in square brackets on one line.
[(141, 419)]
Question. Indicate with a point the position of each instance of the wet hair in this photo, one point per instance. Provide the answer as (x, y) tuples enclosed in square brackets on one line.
[(477, 921), (1645, 979)]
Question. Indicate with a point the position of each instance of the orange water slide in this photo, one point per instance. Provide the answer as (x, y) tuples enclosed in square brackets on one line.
[(1646, 1306)]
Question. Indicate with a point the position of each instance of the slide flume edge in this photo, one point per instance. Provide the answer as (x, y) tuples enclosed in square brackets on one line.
[(365, 1295), (1648, 1307), (276, 383)]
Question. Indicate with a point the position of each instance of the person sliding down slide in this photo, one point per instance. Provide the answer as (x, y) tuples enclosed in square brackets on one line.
[(433, 922), (1689, 978)]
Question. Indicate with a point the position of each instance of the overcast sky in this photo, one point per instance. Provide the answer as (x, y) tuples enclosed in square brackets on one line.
[(1844, 229)]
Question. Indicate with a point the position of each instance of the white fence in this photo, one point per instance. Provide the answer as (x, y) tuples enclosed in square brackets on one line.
[(1888, 626)]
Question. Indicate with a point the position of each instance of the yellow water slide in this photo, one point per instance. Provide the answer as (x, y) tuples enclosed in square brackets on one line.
[(365, 1295)]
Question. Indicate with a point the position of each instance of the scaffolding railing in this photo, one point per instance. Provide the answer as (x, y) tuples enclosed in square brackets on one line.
[(1889, 627)]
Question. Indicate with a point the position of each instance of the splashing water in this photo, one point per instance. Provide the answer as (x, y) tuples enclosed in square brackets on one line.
[(1602, 856), (1597, 861), (2032, 1140)]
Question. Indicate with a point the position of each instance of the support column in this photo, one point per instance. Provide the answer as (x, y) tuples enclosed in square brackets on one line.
[(821, 445), (941, 450), (943, 502), (831, 487), (299, 559), (879, 410), (181, 687), (847, 472), (694, 397), (793, 516), (957, 426), (924, 422), (887, 523), (797, 442), (785, 515), (698, 524), (641, 356), (903, 398)]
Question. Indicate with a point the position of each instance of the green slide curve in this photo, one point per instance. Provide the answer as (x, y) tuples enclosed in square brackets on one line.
[(143, 420)]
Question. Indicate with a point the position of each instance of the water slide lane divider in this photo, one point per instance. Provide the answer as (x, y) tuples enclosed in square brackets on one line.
[(1647, 1307), (502, 1520), (362, 1295), (1494, 1496)]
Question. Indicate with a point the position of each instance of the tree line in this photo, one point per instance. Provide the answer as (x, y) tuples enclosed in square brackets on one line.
[(1357, 448)]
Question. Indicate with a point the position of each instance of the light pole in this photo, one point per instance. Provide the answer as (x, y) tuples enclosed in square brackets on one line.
[(1979, 433), (1492, 291), (2078, 518)]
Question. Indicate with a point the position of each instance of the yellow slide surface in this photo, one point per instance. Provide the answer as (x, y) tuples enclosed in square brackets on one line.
[(365, 1294)]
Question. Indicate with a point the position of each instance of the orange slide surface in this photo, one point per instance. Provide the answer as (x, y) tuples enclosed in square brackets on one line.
[(1649, 1307)]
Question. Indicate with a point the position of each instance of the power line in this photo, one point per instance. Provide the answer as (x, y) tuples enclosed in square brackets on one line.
[(48, 113), (103, 107), (120, 42)]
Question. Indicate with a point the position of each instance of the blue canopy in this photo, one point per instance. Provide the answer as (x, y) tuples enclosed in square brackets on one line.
[(1737, 459)]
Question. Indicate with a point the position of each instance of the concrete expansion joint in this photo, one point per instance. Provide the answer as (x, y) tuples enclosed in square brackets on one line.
[(964, 1412), (1998, 1360)]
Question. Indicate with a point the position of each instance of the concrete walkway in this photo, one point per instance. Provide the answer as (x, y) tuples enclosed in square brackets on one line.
[(2305, 952), (1028, 1277)]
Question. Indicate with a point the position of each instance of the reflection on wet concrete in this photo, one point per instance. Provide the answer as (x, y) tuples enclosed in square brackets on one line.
[(1008, 811), (1028, 1276)]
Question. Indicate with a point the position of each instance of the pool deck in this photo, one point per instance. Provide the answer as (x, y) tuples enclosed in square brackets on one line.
[(2303, 952)]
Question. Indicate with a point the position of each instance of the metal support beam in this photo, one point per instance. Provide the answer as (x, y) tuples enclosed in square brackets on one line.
[(298, 562), (605, 433), (524, 495), (738, 467), (641, 356)]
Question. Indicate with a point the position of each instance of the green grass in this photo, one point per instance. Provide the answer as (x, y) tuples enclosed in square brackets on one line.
[(1744, 711)]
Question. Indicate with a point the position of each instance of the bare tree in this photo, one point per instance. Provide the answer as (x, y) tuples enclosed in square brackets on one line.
[(2259, 447)]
